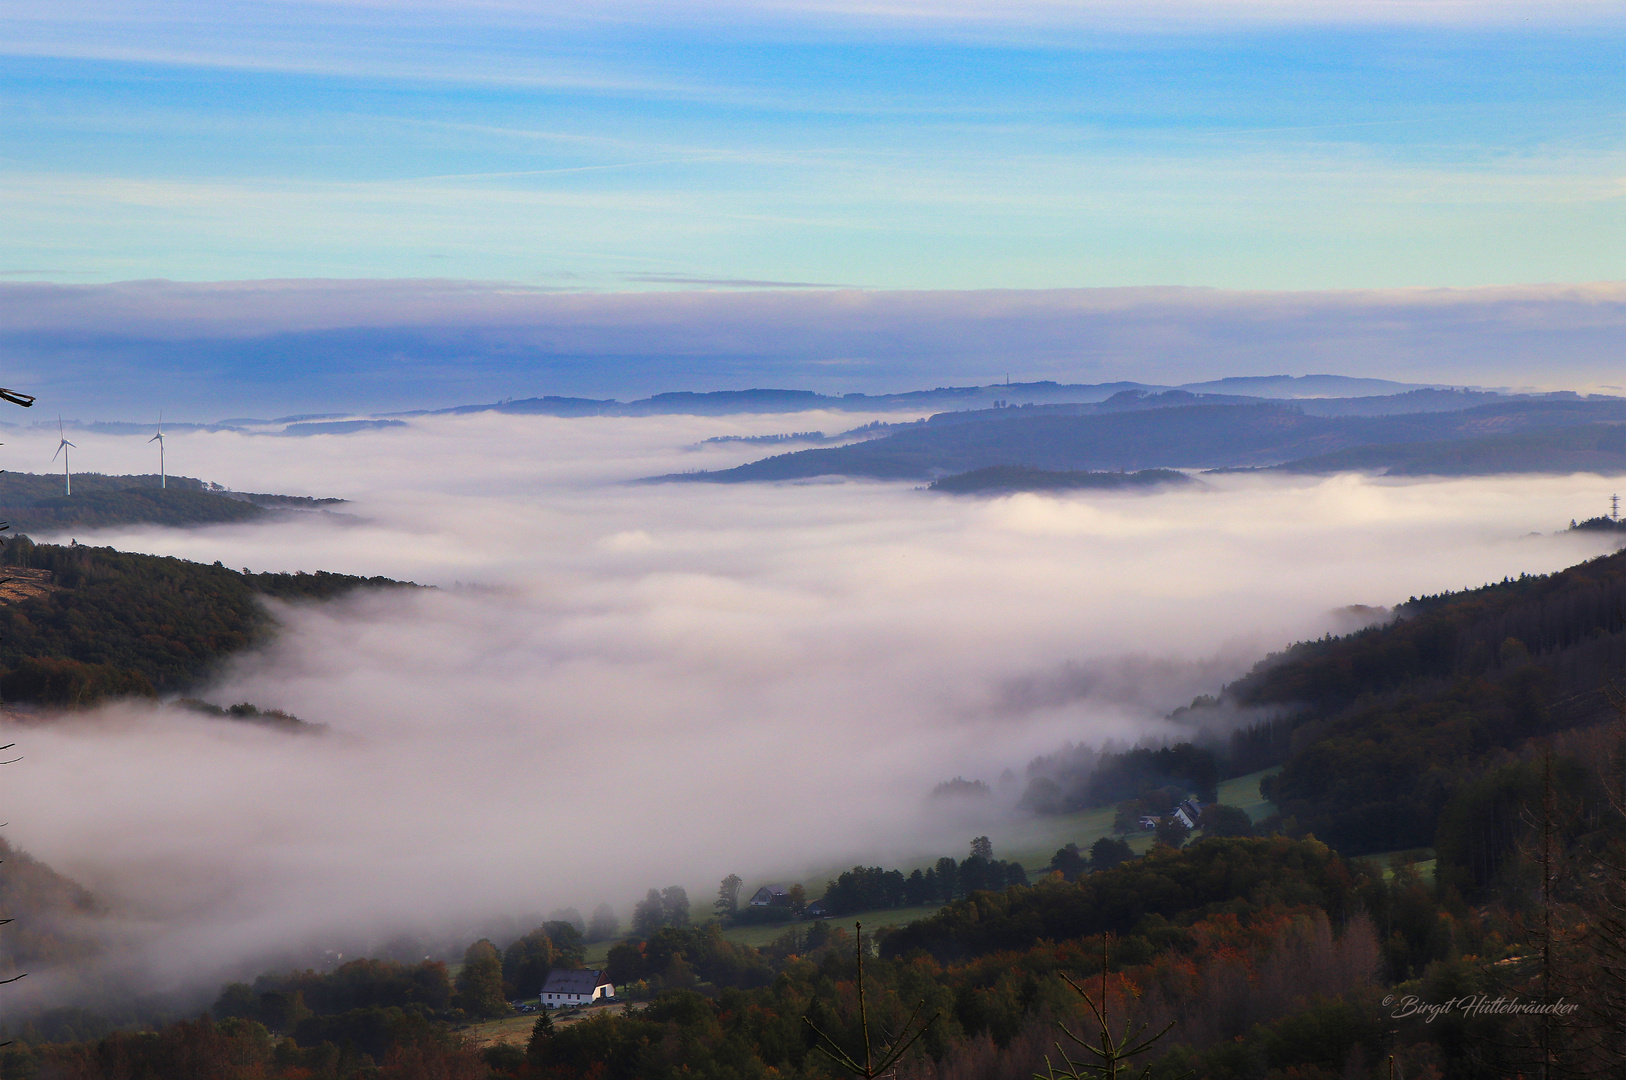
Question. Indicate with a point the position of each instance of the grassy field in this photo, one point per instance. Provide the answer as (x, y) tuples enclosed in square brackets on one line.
[(1243, 791), (516, 1030), (510, 1029), (1421, 858), (758, 936), (1031, 842)]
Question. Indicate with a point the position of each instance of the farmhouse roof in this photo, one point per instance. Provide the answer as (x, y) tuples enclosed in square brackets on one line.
[(770, 894), (574, 981)]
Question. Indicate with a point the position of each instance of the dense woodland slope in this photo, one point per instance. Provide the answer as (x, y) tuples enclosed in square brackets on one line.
[(1004, 479), (1599, 448), (36, 502), (1379, 730), (1148, 434), (79, 624)]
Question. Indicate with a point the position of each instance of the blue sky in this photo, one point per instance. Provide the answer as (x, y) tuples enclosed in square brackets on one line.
[(904, 147)]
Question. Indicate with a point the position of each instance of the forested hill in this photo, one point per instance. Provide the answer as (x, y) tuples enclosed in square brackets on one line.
[(1380, 729), (1005, 479), (79, 624), (1599, 448), (1182, 435), (37, 503)]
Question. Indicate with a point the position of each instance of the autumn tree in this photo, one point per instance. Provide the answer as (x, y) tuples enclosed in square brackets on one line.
[(479, 984), (975, 875), (1068, 862), (1219, 820), (948, 879), (658, 908), (604, 924), (728, 896), (1108, 852), (648, 916), (868, 1061), (675, 905), (526, 963), (1171, 832), (569, 949), (1110, 1051)]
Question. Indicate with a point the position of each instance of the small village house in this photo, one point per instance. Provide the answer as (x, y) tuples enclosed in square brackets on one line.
[(1188, 812), (575, 987)]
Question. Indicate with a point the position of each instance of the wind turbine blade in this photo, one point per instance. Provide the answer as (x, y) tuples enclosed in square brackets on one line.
[(58, 452)]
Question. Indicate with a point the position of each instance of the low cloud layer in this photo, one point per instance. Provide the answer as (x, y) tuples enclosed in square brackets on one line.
[(205, 351), (620, 686)]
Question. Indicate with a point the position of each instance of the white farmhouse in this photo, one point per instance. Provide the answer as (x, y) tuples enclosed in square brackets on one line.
[(1188, 812), (575, 987)]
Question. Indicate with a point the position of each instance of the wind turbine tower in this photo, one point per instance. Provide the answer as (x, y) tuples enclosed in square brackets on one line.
[(163, 479), (62, 448)]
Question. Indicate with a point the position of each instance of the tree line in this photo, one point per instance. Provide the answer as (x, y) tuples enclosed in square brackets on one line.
[(36, 502), (1082, 778), (1387, 725), (867, 888), (112, 623), (1269, 955)]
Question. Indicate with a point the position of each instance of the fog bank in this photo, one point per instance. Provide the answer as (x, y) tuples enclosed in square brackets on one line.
[(621, 686)]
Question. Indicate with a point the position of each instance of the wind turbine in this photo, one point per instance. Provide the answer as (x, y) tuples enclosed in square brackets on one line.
[(62, 448), (163, 480)]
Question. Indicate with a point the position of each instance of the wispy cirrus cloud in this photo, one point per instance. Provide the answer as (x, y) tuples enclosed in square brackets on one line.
[(828, 16), (886, 145), (880, 145)]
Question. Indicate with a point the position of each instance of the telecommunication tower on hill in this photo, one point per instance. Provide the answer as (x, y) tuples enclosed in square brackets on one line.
[(1614, 507)]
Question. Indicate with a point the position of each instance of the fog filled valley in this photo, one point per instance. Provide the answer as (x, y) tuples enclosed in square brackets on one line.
[(614, 686), (786, 540)]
